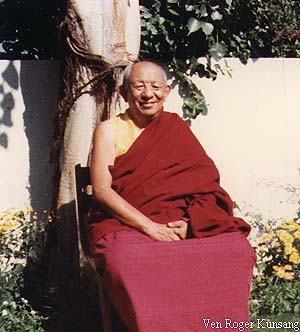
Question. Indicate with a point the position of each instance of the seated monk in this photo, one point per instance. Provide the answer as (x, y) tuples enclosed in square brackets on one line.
[(162, 231)]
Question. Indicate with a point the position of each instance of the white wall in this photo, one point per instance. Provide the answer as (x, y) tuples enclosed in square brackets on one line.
[(14, 150), (28, 94), (251, 132)]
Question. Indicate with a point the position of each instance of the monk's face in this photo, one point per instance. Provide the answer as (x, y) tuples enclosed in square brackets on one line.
[(147, 90)]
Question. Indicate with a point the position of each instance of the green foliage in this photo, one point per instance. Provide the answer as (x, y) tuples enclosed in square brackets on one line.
[(179, 32), (276, 284), (17, 245), (271, 28), (273, 296)]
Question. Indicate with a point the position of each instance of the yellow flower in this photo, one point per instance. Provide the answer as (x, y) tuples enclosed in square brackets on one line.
[(297, 235), (7, 226), (294, 258), (297, 224), (286, 221), (11, 219), (265, 237), (288, 249), (28, 209), (291, 227), (281, 272), (285, 236), (291, 224), (262, 249)]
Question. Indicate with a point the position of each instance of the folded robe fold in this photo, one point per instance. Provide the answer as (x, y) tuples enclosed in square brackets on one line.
[(177, 286), (167, 175)]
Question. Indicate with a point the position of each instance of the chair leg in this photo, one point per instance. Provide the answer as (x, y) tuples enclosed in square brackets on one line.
[(106, 309)]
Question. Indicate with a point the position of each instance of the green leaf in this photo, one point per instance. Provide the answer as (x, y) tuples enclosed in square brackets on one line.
[(216, 16), (236, 206), (173, 12), (203, 11), (206, 27), (154, 30), (229, 2), (161, 20), (189, 8), (172, 1), (217, 51), (193, 25), (146, 15)]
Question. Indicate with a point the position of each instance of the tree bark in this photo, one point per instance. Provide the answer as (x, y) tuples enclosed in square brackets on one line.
[(102, 37), (110, 29)]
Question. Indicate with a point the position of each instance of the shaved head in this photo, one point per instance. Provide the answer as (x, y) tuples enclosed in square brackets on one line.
[(129, 68)]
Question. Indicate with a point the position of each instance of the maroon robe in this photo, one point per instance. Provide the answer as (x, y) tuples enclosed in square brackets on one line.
[(167, 175)]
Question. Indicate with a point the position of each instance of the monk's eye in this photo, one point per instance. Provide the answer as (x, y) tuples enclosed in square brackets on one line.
[(156, 87), (139, 87)]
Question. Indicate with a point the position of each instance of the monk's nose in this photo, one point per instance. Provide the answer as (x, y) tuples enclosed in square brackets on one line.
[(147, 92)]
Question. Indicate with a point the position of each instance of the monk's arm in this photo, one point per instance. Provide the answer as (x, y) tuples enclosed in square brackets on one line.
[(103, 155)]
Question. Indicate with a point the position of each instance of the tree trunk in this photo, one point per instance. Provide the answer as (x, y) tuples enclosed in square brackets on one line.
[(102, 37)]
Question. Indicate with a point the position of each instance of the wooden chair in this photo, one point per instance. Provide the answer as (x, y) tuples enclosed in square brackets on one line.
[(83, 201)]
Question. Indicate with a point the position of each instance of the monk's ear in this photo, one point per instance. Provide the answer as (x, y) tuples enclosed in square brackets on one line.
[(167, 90), (123, 92)]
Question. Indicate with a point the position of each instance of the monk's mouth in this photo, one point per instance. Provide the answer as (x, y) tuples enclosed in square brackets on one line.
[(147, 105)]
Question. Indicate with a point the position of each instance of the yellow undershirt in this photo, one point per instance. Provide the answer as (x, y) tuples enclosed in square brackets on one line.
[(126, 132)]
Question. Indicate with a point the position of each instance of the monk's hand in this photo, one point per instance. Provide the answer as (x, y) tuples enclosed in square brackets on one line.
[(180, 228), (160, 232)]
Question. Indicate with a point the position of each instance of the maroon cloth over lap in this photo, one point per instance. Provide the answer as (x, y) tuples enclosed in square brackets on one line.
[(167, 175), (177, 286)]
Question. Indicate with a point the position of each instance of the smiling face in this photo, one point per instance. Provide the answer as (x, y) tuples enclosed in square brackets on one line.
[(145, 91)]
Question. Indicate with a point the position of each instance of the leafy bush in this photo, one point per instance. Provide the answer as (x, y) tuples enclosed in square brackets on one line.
[(179, 32), (17, 244), (276, 285), (271, 27)]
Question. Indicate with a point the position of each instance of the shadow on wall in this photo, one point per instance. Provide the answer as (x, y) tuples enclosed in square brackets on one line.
[(7, 102), (39, 82)]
